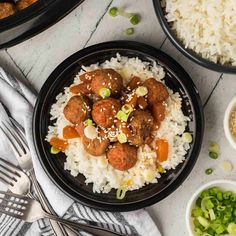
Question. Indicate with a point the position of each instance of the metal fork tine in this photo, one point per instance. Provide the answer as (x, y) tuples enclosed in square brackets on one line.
[(16, 134), (9, 165), (19, 129), (7, 177), (4, 181), (11, 214), (11, 143), (17, 125)]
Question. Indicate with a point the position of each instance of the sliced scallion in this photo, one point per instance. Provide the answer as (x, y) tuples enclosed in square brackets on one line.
[(209, 171), (54, 150), (129, 31), (134, 19), (122, 138), (105, 92), (120, 193)]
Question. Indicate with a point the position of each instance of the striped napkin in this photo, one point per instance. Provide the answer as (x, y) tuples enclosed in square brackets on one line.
[(16, 96)]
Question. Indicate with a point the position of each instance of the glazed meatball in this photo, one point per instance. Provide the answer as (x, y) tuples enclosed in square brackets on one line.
[(158, 111), (106, 78), (140, 124), (95, 147), (157, 91), (77, 109), (104, 112), (6, 9), (22, 4), (122, 156)]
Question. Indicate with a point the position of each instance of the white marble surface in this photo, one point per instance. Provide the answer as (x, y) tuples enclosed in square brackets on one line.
[(89, 24)]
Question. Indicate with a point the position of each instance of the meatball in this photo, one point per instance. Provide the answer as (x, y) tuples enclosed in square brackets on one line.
[(6, 9), (141, 123), (104, 112), (157, 91), (77, 109), (97, 146), (106, 78), (158, 111), (122, 156), (22, 4)]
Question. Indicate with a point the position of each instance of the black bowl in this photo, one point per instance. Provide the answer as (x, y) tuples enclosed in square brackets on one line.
[(33, 20), (180, 46), (176, 79)]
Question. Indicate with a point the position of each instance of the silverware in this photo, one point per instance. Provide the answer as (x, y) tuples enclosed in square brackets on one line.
[(16, 137), (16, 180), (30, 210)]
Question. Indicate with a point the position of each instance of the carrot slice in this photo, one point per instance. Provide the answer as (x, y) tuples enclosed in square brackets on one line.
[(70, 132), (162, 149), (59, 143)]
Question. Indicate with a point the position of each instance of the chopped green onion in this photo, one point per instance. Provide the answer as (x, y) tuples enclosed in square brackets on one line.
[(123, 13), (214, 147), (113, 11), (227, 166), (129, 31), (208, 171), (231, 228), (227, 195), (197, 212), (187, 137), (212, 214), (127, 108), (122, 116), (122, 138), (203, 221), (134, 19), (105, 92), (206, 234), (220, 208), (141, 91), (213, 155), (160, 169), (120, 193), (219, 196), (54, 150), (88, 122)]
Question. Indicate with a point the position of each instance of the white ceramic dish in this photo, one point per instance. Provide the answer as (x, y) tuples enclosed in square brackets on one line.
[(229, 136), (225, 185)]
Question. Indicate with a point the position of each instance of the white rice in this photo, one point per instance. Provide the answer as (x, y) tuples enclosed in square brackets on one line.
[(97, 170), (207, 27)]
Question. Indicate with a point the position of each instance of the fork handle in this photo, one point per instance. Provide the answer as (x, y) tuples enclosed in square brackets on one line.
[(94, 230), (58, 229)]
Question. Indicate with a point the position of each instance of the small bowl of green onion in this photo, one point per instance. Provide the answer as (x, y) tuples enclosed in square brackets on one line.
[(211, 211)]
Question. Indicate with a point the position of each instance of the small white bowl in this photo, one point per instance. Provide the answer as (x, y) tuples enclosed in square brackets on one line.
[(229, 136), (223, 184)]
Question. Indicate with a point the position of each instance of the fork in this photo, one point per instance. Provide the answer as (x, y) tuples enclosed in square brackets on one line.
[(30, 210), (16, 180), (16, 137)]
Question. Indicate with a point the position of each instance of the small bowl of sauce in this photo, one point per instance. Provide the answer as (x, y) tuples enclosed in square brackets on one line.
[(230, 123)]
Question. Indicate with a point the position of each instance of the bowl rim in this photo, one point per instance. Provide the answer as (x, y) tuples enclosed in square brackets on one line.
[(188, 52), (142, 48), (228, 111), (195, 195)]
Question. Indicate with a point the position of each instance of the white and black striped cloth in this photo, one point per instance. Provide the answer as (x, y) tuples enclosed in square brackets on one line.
[(19, 100)]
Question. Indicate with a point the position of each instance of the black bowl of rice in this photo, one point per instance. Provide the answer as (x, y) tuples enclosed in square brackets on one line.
[(204, 31), (90, 179)]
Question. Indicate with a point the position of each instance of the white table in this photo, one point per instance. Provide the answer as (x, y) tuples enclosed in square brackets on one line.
[(89, 24)]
